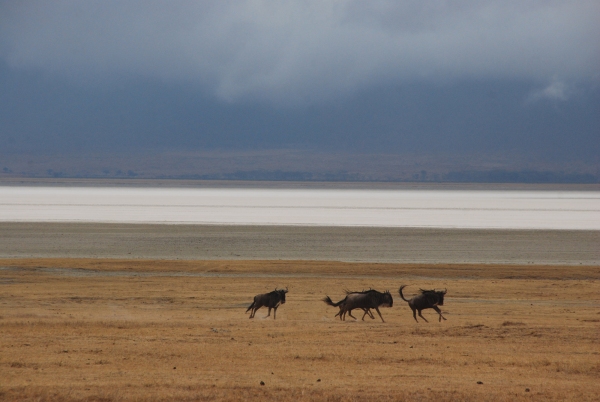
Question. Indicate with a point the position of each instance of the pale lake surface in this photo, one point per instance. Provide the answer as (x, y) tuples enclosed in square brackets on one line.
[(579, 210)]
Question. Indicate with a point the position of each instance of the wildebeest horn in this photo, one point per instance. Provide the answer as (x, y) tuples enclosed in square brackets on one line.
[(286, 289)]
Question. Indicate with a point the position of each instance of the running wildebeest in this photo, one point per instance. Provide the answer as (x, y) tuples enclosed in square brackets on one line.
[(363, 300), (271, 300), (342, 312), (427, 299)]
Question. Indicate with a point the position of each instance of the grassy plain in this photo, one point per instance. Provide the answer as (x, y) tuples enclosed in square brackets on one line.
[(129, 330)]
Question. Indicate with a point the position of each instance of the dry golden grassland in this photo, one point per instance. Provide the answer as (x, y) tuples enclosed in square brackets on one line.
[(126, 330)]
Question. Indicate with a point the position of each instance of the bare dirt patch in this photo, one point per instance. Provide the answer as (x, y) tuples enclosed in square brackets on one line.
[(351, 244)]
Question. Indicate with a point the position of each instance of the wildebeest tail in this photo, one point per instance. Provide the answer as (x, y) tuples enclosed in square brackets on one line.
[(330, 302), (401, 295), (252, 305)]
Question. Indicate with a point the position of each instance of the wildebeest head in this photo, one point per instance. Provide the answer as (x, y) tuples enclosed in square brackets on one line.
[(441, 294), (280, 293), (436, 294), (388, 300)]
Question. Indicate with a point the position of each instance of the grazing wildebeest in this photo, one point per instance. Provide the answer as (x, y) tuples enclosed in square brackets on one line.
[(363, 300), (427, 299), (271, 300)]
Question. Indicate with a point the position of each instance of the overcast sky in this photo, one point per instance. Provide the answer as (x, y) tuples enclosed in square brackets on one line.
[(410, 76)]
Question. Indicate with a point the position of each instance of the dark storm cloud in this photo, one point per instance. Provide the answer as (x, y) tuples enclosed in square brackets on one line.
[(306, 51), (376, 76)]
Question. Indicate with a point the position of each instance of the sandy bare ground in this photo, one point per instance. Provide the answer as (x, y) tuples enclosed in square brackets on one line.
[(103, 330), (201, 242)]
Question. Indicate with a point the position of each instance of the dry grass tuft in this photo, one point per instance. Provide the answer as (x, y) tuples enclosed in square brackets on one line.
[(509, 323)]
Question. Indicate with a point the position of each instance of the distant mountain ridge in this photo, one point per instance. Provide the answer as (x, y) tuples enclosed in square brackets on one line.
[(285, 165)]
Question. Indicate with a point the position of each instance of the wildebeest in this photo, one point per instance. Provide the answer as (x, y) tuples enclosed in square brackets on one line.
[(427, 299), (342, 312), (271, 300), (363, 300)]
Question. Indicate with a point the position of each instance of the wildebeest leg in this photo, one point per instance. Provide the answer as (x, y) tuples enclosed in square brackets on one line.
[(415, 314), (341, 312), (377, 309), (269, 313), (422, 316), (253, 312), (350, 314), (274, 312), (436, 308), (367, 311), (250, 308)]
